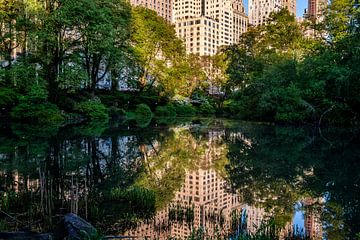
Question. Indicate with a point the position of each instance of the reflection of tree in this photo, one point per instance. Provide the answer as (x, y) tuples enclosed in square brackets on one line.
[(339, 178), (44, 176), (166, 163), (113, 176), (266, 167), (273, 167)]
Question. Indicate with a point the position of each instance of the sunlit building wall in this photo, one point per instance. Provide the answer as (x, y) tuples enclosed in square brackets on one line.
[(260, 10), (162, 7), (315, 9), (206, 25)]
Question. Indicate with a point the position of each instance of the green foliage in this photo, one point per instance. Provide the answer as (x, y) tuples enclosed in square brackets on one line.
[(23, 75), (8, 97), (142, 115), (43, 113), (141, 199), (165, 111), (206, 109), (143, 111), (3, 225), (183, 109), (37, 94), (115, 111), (92, 109), (173, 72), (281, 76), (93, 128), (34, 108)]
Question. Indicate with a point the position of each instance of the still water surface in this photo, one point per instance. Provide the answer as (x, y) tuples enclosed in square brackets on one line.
[(204, 178)]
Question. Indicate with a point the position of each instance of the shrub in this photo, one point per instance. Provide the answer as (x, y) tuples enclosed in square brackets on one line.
[(92, 128), (140, 199), (142, 115), (92, 109), (165, 111), (115, 111), (143, 111), (66, 103), (8, 97), (37, 113), (206, 108), (184, 110)]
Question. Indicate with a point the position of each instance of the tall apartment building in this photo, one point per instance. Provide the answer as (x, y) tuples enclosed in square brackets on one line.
[(205, 25), (259, 10), (315, 8), (162, 7)]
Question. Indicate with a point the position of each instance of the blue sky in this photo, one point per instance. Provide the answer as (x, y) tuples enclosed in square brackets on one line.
[(300, 6)]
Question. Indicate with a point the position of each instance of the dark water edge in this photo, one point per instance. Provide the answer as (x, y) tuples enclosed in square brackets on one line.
[(194, 177)]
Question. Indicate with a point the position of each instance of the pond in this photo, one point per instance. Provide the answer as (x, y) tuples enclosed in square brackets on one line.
[(203, 178)]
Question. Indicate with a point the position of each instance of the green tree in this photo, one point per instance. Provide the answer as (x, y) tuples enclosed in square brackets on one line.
[(161, 55)]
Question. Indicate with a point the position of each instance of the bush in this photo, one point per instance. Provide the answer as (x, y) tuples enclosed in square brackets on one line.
[(115, 111), (66, 103), (206, 109), (140, 199), (92, 109), (8, 97), (184, 110), (37, 113), (165, 111), (143, 111)]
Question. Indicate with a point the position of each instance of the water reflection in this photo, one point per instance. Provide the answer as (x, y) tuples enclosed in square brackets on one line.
[(217, 178), (203, 199)]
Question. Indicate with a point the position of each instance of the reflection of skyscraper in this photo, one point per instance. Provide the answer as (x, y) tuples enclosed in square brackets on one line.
[(204, 193), (255, 216), (203, 202), (312, 222)]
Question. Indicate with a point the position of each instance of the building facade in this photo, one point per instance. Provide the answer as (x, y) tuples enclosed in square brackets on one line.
[(203, 25), (206, 25), (315, 9), (260, 10), (162, 7)]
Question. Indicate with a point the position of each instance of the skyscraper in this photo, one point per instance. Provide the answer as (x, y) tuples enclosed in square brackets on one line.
[(162, 7), (315, 8), (259, 10), (205, 25)]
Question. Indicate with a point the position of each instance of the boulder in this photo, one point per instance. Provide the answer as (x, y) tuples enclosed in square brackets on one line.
[(75, 228)]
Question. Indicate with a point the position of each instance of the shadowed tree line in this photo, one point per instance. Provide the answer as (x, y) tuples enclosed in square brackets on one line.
[(67, 60), (287, 71)]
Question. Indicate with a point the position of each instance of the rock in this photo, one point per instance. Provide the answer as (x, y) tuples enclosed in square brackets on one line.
[(75, 228), (72, 227)]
